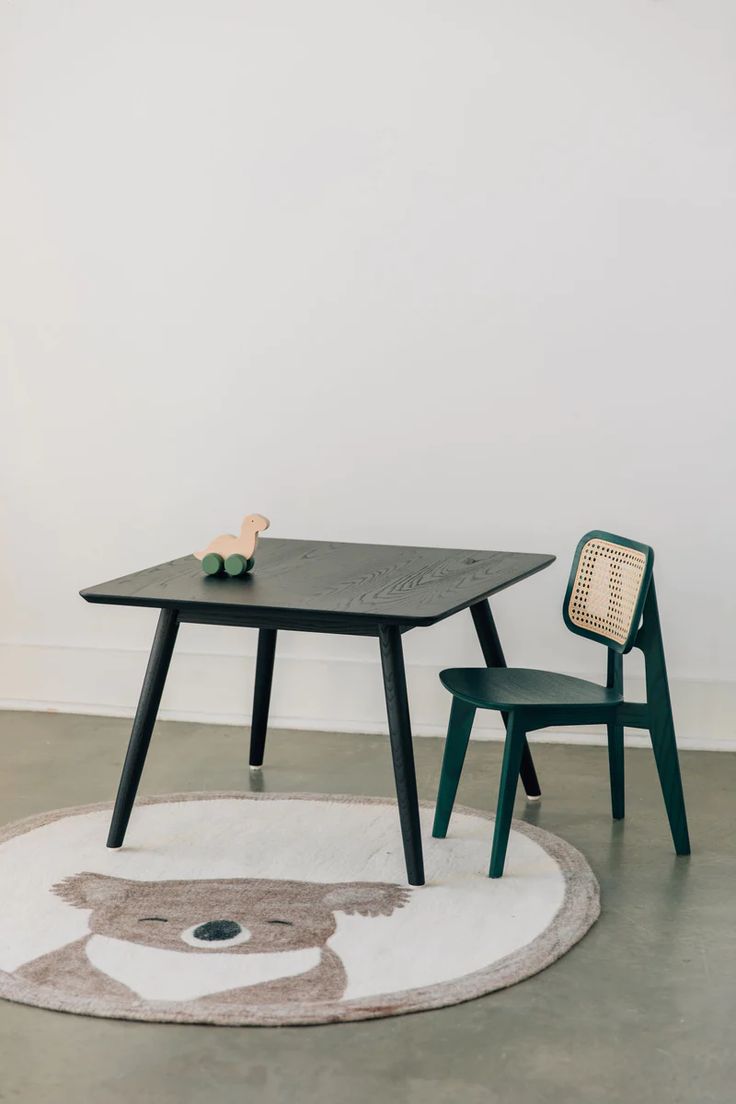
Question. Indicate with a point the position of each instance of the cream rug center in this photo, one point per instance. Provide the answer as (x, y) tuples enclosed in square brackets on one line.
[(273, 909)]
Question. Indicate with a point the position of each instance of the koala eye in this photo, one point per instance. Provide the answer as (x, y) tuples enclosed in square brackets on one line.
[(158, 919), (287, 922)]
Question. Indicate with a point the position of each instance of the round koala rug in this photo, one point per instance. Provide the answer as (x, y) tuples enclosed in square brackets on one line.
[(276, 909)]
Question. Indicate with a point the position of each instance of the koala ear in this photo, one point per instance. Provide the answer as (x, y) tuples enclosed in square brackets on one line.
[(365, 898), (87, 890)]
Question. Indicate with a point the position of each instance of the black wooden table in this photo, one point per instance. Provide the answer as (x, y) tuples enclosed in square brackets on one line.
[(317, 586)]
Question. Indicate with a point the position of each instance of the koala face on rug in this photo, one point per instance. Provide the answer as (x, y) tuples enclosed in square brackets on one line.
[(237, 915)]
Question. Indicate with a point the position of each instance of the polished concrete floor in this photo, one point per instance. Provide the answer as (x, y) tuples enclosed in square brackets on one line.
[(643, 1010)]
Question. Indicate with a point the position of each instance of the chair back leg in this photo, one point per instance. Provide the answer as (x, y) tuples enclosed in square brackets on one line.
[(661, 723), (456, 745), (512, 753), (662, 732)]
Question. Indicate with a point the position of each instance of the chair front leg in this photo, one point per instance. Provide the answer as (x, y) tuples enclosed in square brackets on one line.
[(456, 745), (616, 769), (512, 753)]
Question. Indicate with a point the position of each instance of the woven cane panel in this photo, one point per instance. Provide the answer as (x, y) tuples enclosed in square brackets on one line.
[(606, 589)]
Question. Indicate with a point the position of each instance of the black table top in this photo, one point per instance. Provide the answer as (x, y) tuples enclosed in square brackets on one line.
[(326, 585)]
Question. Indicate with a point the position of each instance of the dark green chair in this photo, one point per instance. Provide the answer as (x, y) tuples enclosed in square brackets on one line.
[(610, 598)]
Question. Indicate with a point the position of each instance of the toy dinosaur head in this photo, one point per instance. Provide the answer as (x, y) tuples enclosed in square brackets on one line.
[(255, 523)]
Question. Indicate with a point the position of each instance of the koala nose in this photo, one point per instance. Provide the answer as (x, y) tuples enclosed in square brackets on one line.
[(217, 929)]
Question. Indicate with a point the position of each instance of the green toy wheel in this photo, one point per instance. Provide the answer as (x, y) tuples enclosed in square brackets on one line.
[(213, 563), (236, 565)]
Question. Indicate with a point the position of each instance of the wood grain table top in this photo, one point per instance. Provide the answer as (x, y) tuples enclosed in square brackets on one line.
[(328, 584)]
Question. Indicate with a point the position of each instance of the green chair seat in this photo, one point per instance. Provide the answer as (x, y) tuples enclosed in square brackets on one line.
[(508, 688)]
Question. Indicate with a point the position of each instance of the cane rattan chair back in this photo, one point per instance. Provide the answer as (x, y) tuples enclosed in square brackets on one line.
[(608, 585)]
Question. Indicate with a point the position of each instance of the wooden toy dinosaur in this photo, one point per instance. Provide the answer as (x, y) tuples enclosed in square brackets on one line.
[(234, 555)]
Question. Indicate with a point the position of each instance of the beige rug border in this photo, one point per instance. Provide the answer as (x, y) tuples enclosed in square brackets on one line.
[(579, 910)]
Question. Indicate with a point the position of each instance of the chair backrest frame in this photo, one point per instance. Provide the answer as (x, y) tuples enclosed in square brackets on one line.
[(602, 628)]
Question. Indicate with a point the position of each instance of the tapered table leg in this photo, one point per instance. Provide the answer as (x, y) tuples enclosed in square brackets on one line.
[(145, 718), (399, 725), (490, 645), (262, 694)]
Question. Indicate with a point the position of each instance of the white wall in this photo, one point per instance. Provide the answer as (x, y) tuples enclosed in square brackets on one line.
[(448, 272)]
